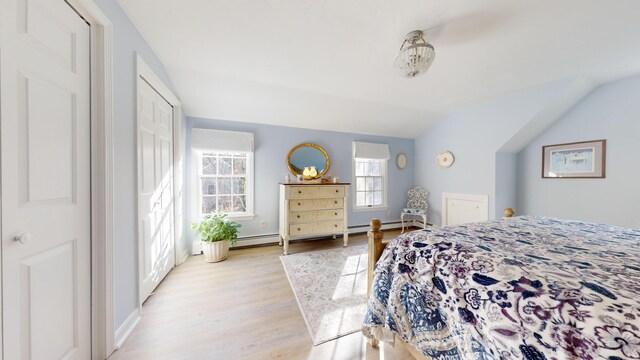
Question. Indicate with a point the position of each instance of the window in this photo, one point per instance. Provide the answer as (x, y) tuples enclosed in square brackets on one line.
[(370, 181), (370, 174), (223, 182), (224, 177)]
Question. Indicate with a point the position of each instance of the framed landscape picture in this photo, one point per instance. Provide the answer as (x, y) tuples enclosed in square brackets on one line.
[(585, 159)]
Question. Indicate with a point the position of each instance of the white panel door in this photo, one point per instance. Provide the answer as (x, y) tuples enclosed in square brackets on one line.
[(45, 150), (155, 181)]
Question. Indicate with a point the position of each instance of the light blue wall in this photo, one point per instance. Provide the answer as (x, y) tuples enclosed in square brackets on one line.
[(474, 136), (272, 144), (610, 112), (506, 182), (126, 43)]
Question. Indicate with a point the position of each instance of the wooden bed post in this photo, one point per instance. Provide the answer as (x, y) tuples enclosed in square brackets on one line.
[(508, 212), (375, 251)]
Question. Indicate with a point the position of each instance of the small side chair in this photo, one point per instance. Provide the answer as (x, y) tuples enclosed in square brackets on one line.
[(416, 206)]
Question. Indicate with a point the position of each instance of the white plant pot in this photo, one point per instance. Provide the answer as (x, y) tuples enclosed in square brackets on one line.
[(215, 251)]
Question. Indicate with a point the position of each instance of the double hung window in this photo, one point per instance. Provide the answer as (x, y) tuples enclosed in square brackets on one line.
[(223, 162), (370, 174)]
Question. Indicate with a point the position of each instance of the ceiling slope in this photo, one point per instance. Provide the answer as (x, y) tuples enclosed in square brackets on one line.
[(562, 101), (328, 64)]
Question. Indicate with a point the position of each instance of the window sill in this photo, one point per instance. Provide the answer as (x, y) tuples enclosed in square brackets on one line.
[(242, 217), (362, 208)]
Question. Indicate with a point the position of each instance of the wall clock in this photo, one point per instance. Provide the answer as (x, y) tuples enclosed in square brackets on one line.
[(401, 161), (445, 159)]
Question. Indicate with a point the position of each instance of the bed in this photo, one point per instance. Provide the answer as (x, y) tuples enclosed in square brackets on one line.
[(513, 288)]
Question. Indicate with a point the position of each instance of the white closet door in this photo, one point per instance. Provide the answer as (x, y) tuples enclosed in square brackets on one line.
[(46, 210), (155, 181)]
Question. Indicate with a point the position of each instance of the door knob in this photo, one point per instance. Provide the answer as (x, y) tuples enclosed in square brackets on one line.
[(22, 238)]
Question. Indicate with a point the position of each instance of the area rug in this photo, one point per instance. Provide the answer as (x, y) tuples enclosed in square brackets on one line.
[(331, 289)]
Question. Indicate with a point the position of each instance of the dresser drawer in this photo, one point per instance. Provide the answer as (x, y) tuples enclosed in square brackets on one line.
[(316, 204), (306, 216), (307, 192), (316, 228)]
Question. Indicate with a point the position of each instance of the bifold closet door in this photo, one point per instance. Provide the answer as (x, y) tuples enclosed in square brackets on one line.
[(46, 183), (155, 184)]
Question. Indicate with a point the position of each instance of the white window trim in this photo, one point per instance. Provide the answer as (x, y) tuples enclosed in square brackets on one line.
[(355, 207), (197, 194)]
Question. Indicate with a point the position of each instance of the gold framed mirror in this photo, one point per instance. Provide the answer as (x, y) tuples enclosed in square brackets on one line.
[(307, 155)]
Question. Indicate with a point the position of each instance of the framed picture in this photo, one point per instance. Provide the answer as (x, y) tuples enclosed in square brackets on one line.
[(585, 159)]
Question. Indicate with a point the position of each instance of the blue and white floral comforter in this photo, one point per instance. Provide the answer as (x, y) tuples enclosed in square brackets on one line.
[(519, 288)]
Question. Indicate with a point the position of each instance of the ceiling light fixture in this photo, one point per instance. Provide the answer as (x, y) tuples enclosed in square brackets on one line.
[(416, 55)]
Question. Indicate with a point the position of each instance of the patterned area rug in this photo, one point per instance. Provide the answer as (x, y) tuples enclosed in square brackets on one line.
[(331, 289)]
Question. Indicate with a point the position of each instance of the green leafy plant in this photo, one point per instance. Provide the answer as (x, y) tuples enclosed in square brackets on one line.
[(216, 227)]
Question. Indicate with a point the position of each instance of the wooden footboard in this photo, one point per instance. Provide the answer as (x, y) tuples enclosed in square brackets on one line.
[(376, 246), (375, 251)]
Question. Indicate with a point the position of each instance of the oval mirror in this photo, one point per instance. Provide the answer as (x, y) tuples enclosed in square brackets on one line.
[(308, 155)]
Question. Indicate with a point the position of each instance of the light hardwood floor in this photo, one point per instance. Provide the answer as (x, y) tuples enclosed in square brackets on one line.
[(241, 308)]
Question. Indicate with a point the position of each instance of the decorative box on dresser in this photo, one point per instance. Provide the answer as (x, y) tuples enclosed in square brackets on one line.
[(308, 210)]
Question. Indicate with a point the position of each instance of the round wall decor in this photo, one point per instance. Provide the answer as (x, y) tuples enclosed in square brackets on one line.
[(445, 159), (401, 161)]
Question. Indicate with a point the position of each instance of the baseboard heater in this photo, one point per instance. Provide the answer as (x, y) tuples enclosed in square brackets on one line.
[(271, 239)]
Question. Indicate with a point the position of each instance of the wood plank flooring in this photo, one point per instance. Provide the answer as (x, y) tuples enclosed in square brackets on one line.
[(240, 308)]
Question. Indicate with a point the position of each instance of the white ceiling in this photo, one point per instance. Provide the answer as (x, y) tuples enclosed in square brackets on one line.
[(328, 64)]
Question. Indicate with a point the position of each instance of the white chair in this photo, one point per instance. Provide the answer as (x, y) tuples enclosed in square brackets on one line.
[(416, 206)]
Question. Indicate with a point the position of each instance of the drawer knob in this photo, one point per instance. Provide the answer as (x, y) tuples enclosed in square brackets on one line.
[(298, 204), (335, 202), (299, 191), (298, 216), (298, 229), (336, 190), (336, 225), (335, 213)]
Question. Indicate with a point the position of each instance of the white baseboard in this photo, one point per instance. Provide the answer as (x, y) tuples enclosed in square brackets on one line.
[(196, 248), (182, 257), (127, 327), (275, 238), (385, 226)]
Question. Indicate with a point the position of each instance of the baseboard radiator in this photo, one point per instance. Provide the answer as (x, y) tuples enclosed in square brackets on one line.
[(271, 239)]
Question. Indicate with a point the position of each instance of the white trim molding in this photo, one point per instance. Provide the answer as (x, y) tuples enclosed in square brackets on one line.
[(127, 327), (102, 316), (143, 70)]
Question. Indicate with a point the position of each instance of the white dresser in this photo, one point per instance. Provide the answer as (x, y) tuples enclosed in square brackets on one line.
[(308, 210)]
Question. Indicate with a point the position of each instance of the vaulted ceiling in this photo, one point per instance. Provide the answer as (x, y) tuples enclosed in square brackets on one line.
[(328, 64)]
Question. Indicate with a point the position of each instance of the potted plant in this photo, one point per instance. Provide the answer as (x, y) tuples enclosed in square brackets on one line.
[(216, 233)]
